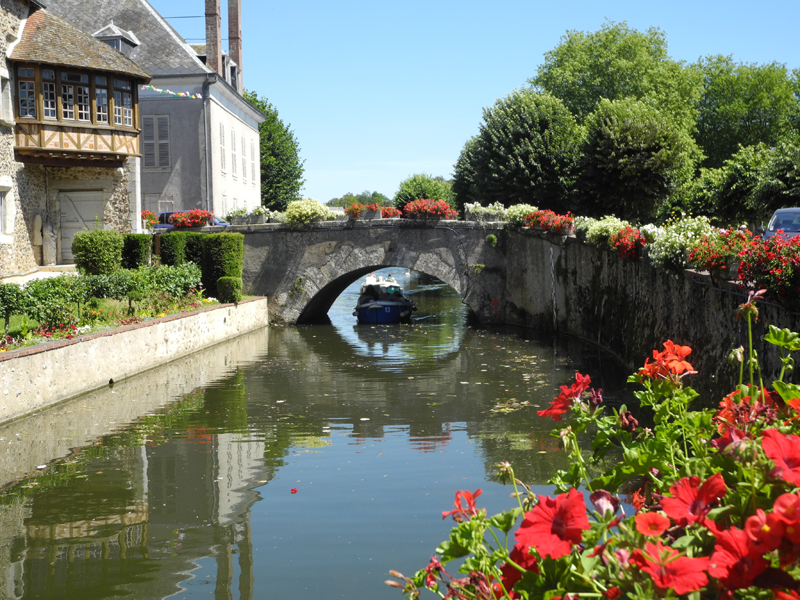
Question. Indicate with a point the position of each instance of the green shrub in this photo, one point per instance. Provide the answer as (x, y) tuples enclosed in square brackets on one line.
[(421, 186), (173, 248), (223, 256), (50, 300), (600, 231), (229, 289), (98, 251), (137, 249), (302, 212), (10, 299), (194, 246), (177, 280)]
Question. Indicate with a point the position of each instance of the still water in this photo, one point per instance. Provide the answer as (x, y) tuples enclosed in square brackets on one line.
[(308, 471)]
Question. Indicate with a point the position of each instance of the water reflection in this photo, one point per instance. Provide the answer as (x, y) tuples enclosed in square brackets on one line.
[(196, 498)]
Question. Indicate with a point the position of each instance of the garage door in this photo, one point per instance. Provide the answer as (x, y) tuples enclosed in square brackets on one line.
[(78, 212)]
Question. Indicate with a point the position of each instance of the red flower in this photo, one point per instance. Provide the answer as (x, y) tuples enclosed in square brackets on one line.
[(736, 561), (691, 501), (612, 593), (555, 524), (764, 530), (784, 451), (564, 400), (787, 509), (522, 557), (669, 569), (294, 490), (651, 524), (669, 364), (461, 512)]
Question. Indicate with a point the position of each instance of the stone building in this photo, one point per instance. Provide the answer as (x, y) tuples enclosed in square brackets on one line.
[(69, 137), (200, 141)]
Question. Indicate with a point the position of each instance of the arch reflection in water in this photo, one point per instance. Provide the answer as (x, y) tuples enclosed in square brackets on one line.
[(196, 498)]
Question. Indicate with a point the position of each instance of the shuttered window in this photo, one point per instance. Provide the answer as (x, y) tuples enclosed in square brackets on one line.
[(222, 146), (155, 141)]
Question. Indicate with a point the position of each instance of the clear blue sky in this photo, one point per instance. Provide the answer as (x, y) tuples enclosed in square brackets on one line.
[(377, 91)]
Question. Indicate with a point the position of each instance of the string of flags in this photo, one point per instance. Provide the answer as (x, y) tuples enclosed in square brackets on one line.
[(171, 93)]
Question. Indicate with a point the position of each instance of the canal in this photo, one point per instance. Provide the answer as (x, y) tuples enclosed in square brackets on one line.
[(297, 462)]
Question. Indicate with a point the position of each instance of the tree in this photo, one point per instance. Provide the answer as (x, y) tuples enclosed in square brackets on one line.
[(365, 197), (281, 166), (618, 62), (780, 183), (525, 152), (423, 186), (742, 105), (634, 158)]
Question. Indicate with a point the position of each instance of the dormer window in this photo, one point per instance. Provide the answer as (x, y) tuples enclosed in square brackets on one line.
[(119, 39)]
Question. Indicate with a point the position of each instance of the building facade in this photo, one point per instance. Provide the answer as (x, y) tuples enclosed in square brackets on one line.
[(69, 137), (200, 143)]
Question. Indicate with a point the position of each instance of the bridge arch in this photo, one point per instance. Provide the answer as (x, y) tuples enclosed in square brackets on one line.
[(303, 271)]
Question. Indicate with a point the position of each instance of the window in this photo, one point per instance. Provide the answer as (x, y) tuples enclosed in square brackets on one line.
[(68, 101), (83, 103), (6, 109), (244, 159), (27, 92), (118, 108), (253, 161), (101, 95), (123, 103), (155, 141), (222, 145), (49, 99), (233, 154)]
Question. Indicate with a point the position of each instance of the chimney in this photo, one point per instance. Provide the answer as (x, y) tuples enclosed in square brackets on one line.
[(213, 36), (235, 39)]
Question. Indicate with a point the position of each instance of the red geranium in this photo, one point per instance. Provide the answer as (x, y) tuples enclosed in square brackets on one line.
[(668, 364), (554, 525), (563, 401), (691, 501), (736, 561), (669, 569), (784, 451), (461, 511)]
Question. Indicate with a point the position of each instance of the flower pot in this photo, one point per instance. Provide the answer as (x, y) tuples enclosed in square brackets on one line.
[(239, 220), (368, 215), (489, 217), (256, 219)]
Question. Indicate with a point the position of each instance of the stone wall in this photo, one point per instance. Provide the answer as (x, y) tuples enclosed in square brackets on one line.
[(631, 308), (38, 377)]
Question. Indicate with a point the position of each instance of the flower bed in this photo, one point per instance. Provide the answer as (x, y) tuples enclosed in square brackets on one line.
[(429, 209), (714, 493), (549, 221), (629, 242)]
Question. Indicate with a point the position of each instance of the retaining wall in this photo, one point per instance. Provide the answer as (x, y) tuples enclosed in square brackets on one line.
[(41, 376), (631, 308)]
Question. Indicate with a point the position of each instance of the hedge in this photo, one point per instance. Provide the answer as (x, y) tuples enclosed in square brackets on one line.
[(137, 249), (173, 248), (229, 289), (97, 252), (223, 256)]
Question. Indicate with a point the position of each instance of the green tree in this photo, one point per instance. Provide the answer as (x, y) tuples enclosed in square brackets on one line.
[(365, 197), (618, 62), (525, 152), (422, 185), (742, 105), (634, 158), (281, 166), (780, 184)]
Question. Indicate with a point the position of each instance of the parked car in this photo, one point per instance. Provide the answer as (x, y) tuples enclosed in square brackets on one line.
[(787, 219), (164, 224)]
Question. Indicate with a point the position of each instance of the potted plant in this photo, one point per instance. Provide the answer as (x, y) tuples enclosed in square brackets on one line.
[(430, 210), (191, 218), (149, 219), (629, 242), (237, 217), (390, 212), (718, 252), (371, 211), (260, 214)]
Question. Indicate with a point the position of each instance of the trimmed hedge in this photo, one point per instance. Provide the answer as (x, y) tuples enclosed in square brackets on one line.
[(229, 289), (98, 252), (137, 249), (223, 256), (194, 246), (173, 248)]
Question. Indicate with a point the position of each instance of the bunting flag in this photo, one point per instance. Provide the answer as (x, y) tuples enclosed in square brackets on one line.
[(171, 93)]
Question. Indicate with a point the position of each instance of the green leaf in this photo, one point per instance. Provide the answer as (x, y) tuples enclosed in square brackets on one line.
[(505, 521)]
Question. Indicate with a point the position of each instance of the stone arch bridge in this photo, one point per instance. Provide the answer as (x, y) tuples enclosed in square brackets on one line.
[(303, 270)]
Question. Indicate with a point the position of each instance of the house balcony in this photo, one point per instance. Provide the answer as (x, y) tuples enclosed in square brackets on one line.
[(57, 145)]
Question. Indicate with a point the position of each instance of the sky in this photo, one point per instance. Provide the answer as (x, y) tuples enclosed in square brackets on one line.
[(378, 91)]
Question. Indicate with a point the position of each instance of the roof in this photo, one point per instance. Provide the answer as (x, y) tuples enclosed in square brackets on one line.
[(162, 50), (111, 31), (51, 40)]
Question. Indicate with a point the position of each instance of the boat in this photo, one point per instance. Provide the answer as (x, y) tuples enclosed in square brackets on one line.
[(381, 301)]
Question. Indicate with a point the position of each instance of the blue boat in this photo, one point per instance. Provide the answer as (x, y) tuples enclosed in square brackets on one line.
[(382, 302)]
